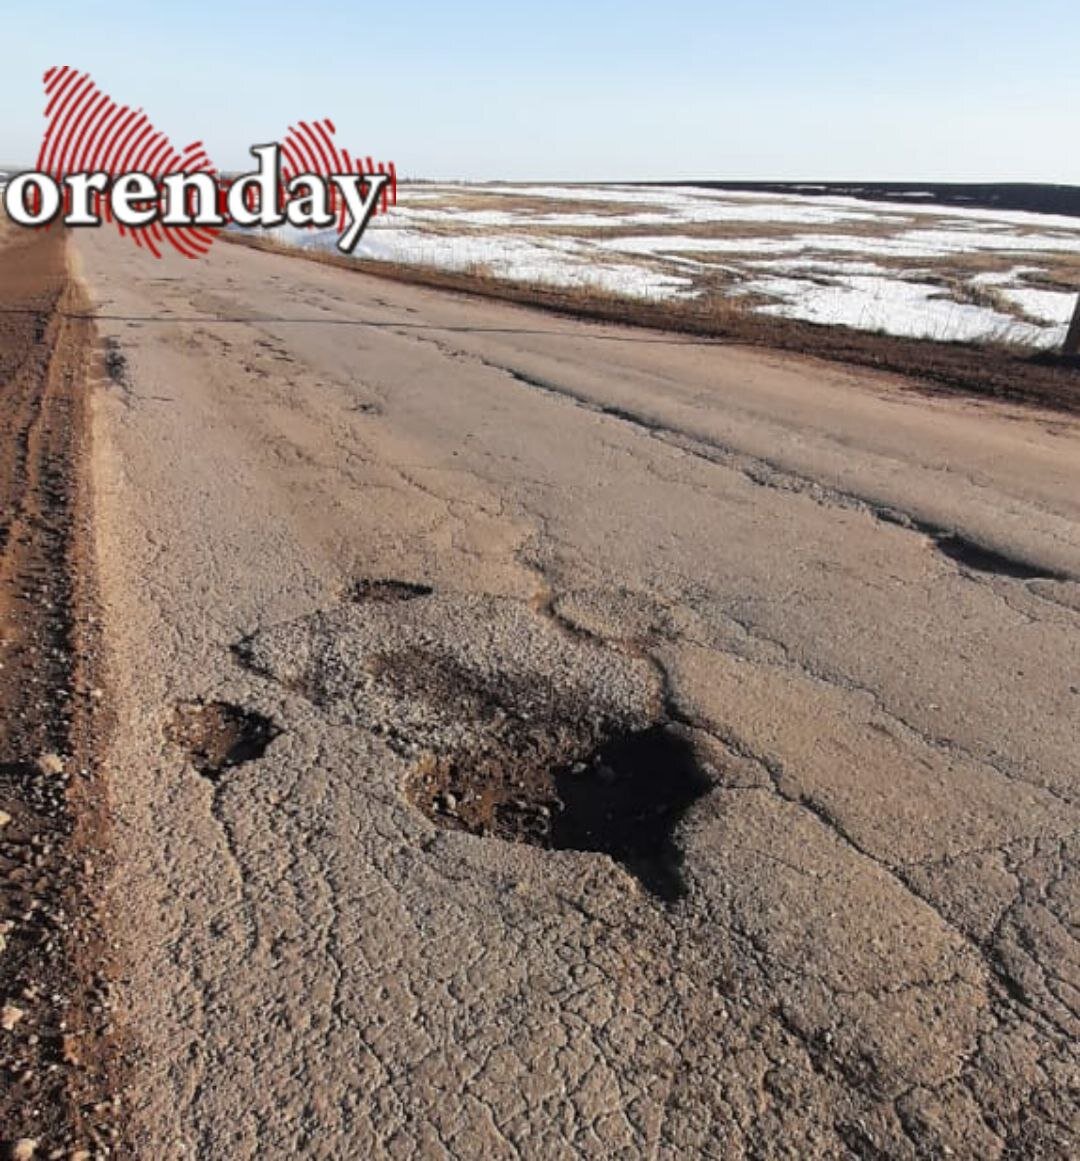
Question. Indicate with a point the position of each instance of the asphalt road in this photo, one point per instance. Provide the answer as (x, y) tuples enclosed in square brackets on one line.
[(704, 786)]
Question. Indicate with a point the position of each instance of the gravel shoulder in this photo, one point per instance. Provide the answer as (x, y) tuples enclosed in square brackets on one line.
[(55, 1053)]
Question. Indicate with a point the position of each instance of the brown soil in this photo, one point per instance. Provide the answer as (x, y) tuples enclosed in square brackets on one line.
[(56, 1061), (218, 736), (1001, 372)]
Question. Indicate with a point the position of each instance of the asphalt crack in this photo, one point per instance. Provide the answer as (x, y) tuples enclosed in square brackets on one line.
[(963, 551)]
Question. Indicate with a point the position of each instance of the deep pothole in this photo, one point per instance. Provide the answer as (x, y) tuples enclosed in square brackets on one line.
[(506, 726), (624, 798), (219, 736)]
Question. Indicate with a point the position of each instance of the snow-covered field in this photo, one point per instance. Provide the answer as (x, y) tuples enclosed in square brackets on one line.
[(918, 270)]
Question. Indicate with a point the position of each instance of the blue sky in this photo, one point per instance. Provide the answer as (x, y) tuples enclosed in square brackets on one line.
[(588, 90)]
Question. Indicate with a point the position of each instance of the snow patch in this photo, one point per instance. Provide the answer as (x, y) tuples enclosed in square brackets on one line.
[(906, 309)]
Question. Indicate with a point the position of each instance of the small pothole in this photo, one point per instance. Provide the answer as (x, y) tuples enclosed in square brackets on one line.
[(219, 736), (368, 592), (624, 799), (116, 364)]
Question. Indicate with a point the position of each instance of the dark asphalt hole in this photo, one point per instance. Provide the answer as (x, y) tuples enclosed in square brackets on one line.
[(965, 552), (371, 592), (624, 798), (626, 802), (218, 736), (116, 366)]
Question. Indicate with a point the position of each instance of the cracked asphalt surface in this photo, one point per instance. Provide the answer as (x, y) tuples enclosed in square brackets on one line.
[(860, 605)]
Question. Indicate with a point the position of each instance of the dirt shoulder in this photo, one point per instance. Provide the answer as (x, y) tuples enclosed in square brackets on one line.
[(983, 371), (52, 807)]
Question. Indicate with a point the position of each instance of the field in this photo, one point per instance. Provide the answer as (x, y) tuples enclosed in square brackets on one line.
[(908, 270)]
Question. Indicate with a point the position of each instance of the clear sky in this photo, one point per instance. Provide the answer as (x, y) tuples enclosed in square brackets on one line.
[(594, 89)]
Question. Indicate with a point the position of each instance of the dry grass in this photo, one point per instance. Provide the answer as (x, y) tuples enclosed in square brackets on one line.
[(978, 294)]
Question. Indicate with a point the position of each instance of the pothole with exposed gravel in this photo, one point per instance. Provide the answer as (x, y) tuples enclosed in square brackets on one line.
[(508, 726)]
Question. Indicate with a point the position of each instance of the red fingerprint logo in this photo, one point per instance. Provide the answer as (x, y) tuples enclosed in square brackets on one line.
[(310, 149), (87, 131)]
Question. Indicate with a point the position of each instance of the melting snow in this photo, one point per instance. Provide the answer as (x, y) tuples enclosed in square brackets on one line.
[(895, 307), (1053, 306), (823, 259), (554, 262)]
